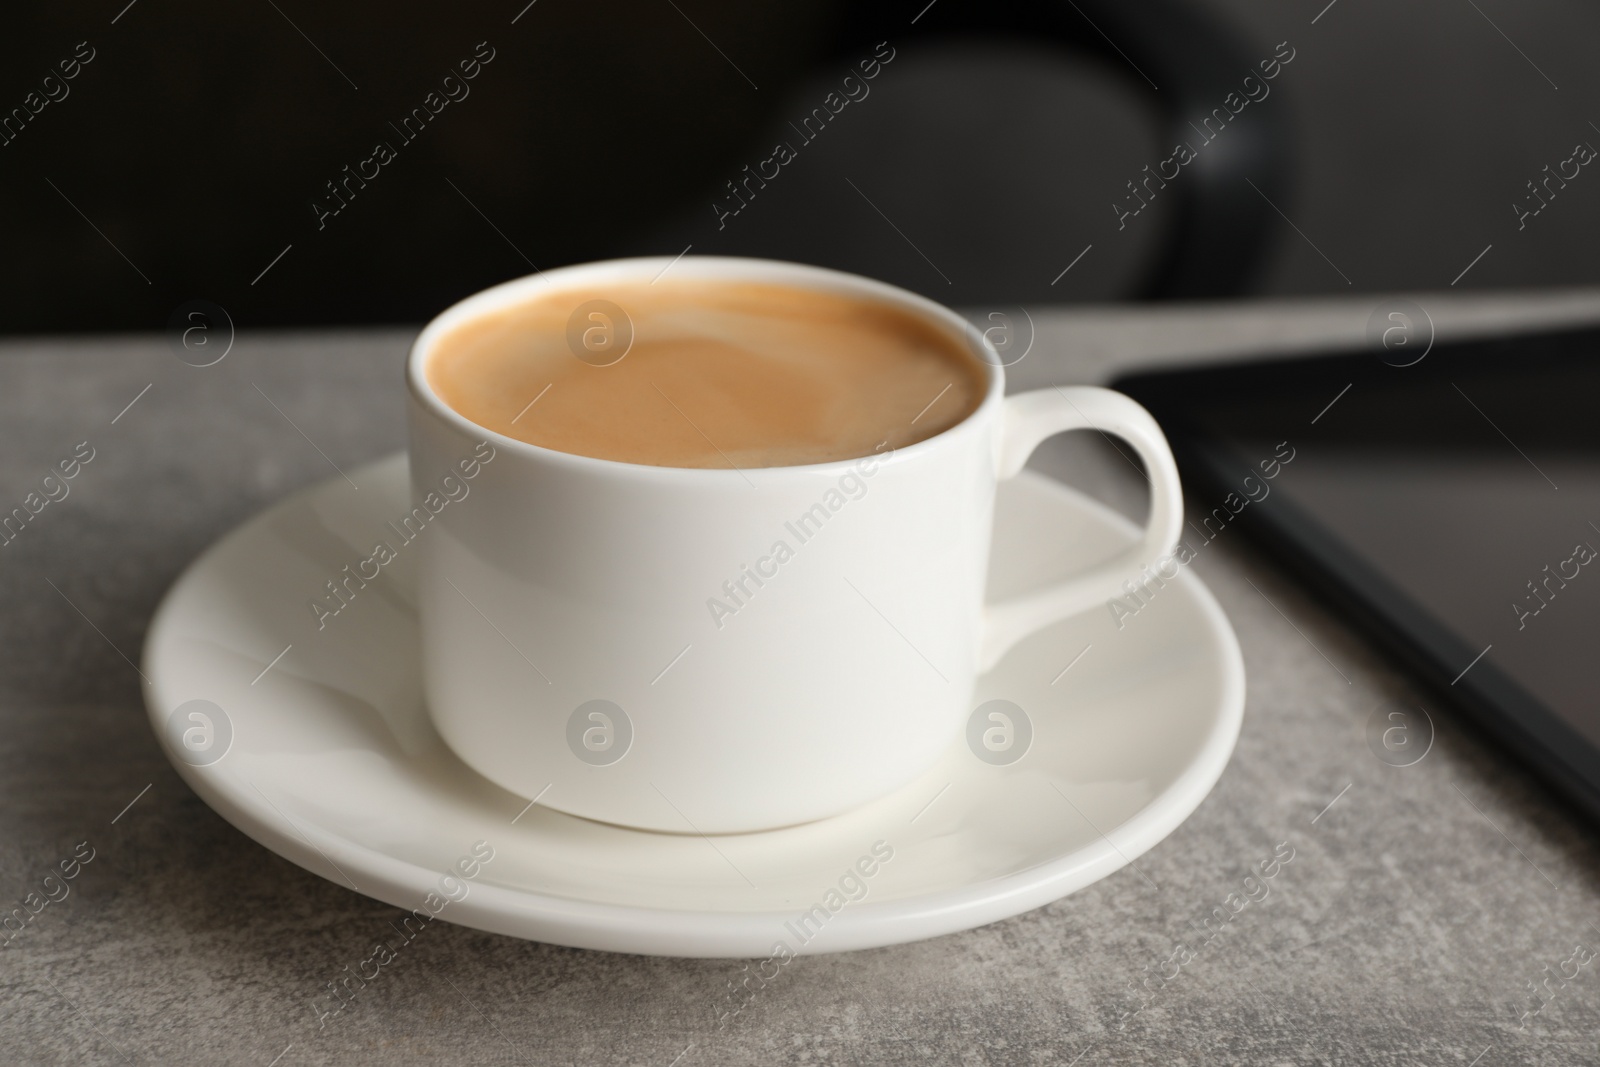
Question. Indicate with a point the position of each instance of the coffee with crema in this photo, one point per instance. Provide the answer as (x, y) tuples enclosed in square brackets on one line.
[(708, 374)]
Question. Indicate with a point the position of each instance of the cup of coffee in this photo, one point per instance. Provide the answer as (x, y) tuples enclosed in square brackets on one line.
[(708, 538)]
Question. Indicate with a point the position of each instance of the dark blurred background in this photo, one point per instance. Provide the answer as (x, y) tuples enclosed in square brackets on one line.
[(183, 159)]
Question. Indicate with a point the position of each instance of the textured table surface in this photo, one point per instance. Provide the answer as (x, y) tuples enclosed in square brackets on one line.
[(1427, 912)]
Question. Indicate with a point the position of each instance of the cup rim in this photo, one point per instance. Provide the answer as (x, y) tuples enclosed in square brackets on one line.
[(727, 268)]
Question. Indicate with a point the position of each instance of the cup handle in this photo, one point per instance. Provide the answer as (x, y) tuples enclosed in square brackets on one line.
[(1028, 419)]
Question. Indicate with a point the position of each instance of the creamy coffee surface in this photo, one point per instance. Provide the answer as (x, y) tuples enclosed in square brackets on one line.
[(715, 374)]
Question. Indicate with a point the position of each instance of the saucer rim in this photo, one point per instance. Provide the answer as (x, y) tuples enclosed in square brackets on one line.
[(629, 928)]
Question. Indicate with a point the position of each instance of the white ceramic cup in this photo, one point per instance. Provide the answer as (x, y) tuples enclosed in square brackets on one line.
[(573, 649)]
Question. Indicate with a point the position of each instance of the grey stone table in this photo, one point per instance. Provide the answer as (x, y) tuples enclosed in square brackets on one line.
[(1422, 908)]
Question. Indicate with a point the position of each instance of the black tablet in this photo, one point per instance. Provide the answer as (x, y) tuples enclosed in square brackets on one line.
[(1446, 497)]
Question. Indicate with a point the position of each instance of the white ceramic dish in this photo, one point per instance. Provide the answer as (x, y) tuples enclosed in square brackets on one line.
[(329, 758), (553, 602)]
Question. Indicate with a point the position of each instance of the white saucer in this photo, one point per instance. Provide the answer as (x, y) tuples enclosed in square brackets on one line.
[(332, 761)]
